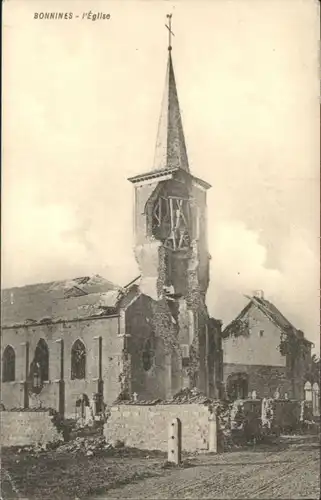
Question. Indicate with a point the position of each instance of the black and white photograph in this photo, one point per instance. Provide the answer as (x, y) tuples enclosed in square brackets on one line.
[(160, 249)]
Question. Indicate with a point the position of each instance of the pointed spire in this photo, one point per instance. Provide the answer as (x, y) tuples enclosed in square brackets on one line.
[(170, 144)]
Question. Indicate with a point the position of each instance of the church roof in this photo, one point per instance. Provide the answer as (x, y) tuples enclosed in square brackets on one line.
[(60, 300), (170, 151), (271, 312)]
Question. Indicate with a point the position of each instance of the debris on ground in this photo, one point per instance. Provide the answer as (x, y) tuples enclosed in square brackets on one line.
[(189, 396), (86, 445), (182, 397), (82, 472)]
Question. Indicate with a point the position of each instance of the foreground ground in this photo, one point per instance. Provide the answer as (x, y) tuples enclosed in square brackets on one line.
[(289, 469)]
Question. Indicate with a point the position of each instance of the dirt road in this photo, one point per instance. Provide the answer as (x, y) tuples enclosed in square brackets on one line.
[(289, 472)]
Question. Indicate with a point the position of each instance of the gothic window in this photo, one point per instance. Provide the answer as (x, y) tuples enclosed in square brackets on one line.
[(148, 355), (41, 360), (8, 364), (78, 360)]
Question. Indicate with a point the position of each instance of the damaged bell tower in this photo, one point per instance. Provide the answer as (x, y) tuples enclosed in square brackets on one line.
[(170, 225)]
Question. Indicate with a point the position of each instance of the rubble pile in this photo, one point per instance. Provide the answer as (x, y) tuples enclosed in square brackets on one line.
[(142, 402), (36, 449), (85, 445), (186, 396)]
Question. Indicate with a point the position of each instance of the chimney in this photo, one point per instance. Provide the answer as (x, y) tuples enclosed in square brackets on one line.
[(259, 294)]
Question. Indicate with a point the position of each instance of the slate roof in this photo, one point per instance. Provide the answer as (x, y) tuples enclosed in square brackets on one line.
[(272, 313), (170, 151), (60, 300)]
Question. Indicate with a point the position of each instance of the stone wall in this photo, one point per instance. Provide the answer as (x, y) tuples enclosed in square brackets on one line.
[(27, 428), (12, 395), (256, 352), (260, 344), (149, 319), (154, 382), (182, 325), (146, 427), (261, 378)]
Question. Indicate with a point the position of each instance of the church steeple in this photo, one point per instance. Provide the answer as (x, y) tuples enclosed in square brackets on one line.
[(170, 203), (170, 246), (170, 149)]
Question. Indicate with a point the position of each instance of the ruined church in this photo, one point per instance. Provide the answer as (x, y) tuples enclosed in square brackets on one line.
[(150, 338)]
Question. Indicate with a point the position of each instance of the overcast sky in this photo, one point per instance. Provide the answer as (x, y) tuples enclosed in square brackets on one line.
[(81, 107)]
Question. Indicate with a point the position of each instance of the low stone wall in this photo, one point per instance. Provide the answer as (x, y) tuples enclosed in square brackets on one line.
[(146, 427), (23, 428)]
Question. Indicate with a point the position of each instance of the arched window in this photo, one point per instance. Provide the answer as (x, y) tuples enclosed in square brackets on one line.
[(308, 391), (148, 355), (41, 360), (78, 360), (8, 364)]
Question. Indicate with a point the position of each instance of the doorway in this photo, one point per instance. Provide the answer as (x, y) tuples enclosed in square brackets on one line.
[(237, 386)]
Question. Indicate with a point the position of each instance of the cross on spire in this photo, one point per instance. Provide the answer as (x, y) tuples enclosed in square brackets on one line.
[(170, 33)]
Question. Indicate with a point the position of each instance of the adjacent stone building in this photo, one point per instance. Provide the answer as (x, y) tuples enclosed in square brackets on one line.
[(153, 337), (265, 353)]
